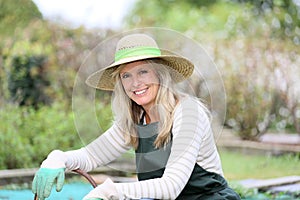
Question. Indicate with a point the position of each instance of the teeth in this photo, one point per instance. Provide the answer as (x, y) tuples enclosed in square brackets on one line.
[(140, 92)]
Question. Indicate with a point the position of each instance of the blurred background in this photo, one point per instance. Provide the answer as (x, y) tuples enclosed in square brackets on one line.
[(254, 43)]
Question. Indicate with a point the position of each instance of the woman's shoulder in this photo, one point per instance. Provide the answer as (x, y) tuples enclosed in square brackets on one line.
[(188, 101), (191, 105)]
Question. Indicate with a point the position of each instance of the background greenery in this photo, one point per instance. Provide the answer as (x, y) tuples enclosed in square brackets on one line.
[(255, 44)]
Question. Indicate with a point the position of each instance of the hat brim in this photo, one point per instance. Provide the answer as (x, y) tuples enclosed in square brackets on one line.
[(102, 79)]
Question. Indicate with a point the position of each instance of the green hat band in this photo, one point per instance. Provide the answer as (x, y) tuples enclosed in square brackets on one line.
[(136, 51)]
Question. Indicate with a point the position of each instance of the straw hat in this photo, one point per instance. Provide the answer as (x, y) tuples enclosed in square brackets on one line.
[(137, 47)]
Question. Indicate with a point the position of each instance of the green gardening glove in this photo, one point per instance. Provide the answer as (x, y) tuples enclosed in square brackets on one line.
[(52, 171), (44, 180)]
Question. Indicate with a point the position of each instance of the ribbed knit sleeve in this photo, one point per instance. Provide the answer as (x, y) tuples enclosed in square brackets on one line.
[(106, 148), (192, 137)]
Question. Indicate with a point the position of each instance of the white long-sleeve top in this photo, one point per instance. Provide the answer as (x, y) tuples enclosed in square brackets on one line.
[(193, 142)]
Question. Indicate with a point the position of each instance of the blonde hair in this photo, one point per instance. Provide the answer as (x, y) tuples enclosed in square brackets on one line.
[(128, 114)]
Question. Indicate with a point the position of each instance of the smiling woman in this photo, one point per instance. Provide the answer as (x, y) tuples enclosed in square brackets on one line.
[(170, 131)]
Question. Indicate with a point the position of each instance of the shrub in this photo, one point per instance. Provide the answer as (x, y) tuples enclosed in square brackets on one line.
[(28, 135), (248, 107), (248, 87), (260, 78), (26, 80)]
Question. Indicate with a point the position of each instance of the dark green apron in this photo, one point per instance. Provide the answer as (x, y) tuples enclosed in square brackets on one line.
[(151, 162)]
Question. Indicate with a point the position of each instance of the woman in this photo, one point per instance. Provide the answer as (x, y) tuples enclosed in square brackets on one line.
[(176, 157)]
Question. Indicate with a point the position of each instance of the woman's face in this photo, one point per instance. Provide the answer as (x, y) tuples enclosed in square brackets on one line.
[(140, 83)]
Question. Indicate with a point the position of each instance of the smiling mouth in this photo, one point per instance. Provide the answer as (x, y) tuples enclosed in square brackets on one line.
[(140, 92)]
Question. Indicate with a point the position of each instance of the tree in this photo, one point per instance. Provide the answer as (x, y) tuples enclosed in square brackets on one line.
[(16, 14), (227, 18)]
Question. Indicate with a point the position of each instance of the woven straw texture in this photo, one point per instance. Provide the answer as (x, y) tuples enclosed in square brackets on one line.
[(180, 67)]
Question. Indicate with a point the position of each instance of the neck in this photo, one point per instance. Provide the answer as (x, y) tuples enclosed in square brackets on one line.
[(151, 116)]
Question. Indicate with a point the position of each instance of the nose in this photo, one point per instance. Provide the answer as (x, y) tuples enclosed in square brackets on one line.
[(136, 81)]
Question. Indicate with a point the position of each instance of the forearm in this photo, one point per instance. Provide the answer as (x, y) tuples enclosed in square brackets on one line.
[(80, 159), (101, 151)]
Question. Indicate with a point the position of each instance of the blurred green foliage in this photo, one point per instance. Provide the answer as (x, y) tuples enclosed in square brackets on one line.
[(26, 82), (27, 134), (221, 18), (39, 61), (39, 41), (16, 15), (261, 79)]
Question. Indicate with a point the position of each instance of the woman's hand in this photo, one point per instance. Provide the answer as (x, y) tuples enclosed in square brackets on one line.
[(106, 190), (52, 169), (44, 180)]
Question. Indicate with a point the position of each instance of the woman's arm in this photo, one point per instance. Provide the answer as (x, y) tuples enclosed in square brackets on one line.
[(106, 148)]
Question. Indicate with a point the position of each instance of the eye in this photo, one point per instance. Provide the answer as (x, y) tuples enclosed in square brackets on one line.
[(125, 75), (143, 71)]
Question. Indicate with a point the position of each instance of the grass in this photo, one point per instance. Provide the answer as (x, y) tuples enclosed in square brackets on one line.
[(238, 166)]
